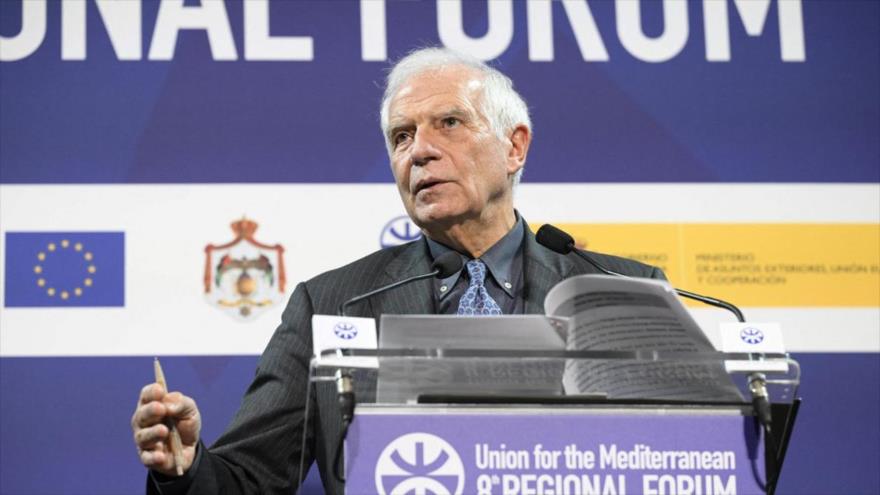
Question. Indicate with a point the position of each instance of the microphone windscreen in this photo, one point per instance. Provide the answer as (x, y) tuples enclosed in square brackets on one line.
[(448, 263), (554, 239)]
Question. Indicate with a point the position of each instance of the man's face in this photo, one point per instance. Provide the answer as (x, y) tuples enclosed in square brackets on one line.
[(449, 164)]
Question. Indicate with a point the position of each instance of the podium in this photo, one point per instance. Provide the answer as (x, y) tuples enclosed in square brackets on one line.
[(554, 449), (460, 420)]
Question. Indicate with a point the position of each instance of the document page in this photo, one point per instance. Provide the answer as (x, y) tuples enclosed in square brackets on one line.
[(626, 314), (403, 380)]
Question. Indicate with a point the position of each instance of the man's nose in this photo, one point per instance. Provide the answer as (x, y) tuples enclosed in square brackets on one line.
[(423, 149)]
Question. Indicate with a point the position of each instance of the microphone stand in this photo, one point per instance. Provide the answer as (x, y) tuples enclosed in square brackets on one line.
[(443, 266), (345, 396), (757, 381), (341, 310), (561, 242)]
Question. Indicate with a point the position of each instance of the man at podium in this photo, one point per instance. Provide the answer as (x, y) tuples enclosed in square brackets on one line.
[(458, 135)]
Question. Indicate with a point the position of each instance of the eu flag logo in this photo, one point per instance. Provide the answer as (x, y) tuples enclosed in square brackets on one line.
[(63, 269)]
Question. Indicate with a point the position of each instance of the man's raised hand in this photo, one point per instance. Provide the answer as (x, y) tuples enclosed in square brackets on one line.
[(149, 423)]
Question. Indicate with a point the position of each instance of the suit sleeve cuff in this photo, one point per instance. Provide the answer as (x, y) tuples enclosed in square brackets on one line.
[(177, 485)]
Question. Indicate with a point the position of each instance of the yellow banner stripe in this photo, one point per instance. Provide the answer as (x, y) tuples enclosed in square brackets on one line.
[(757, 265)]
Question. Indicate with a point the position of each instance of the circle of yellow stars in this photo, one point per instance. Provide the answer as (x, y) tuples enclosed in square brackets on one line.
[(65, 293)]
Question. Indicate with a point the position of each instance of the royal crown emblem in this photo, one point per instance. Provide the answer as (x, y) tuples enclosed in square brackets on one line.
[(244, 277)]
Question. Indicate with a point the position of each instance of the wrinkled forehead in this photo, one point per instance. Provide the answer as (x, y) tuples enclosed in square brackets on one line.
[(453, 83)]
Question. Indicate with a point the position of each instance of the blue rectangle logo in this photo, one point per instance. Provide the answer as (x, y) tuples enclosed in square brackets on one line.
[(64, 269)]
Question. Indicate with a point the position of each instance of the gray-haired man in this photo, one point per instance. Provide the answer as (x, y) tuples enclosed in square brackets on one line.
[(457, 135)]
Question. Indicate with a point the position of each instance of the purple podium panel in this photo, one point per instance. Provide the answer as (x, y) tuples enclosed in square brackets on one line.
[(539, 451)]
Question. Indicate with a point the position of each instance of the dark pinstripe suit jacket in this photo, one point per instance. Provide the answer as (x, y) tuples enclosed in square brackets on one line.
[(260, 451)]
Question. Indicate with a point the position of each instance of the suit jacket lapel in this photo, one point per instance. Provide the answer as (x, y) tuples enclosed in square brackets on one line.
[(542, 269), (414, 298)]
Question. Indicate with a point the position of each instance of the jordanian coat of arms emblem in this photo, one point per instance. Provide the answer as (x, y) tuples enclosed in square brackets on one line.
[(244, 277)]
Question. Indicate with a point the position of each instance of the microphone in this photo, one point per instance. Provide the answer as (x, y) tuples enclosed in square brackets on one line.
[(444, 266), (561, 242)]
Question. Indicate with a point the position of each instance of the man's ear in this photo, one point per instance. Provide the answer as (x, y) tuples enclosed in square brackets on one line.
[(520, 139)]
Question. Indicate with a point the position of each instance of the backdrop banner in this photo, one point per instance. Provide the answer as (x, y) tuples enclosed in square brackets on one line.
[(171, 169)]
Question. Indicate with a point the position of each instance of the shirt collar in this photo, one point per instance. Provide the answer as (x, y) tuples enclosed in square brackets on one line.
[(498, 259)]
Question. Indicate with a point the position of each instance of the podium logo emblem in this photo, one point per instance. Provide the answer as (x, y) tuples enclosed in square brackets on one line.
[(419, 463), (399, 230), (751, 335), (345, 330)]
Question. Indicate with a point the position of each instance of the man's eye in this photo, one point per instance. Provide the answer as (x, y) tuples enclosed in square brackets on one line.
[(399, 138), (451, 121)]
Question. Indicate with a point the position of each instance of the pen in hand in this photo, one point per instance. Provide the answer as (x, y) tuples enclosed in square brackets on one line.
[(176, 443)]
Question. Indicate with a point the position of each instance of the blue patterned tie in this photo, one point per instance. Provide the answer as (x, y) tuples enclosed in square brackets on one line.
[(476, 299)]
